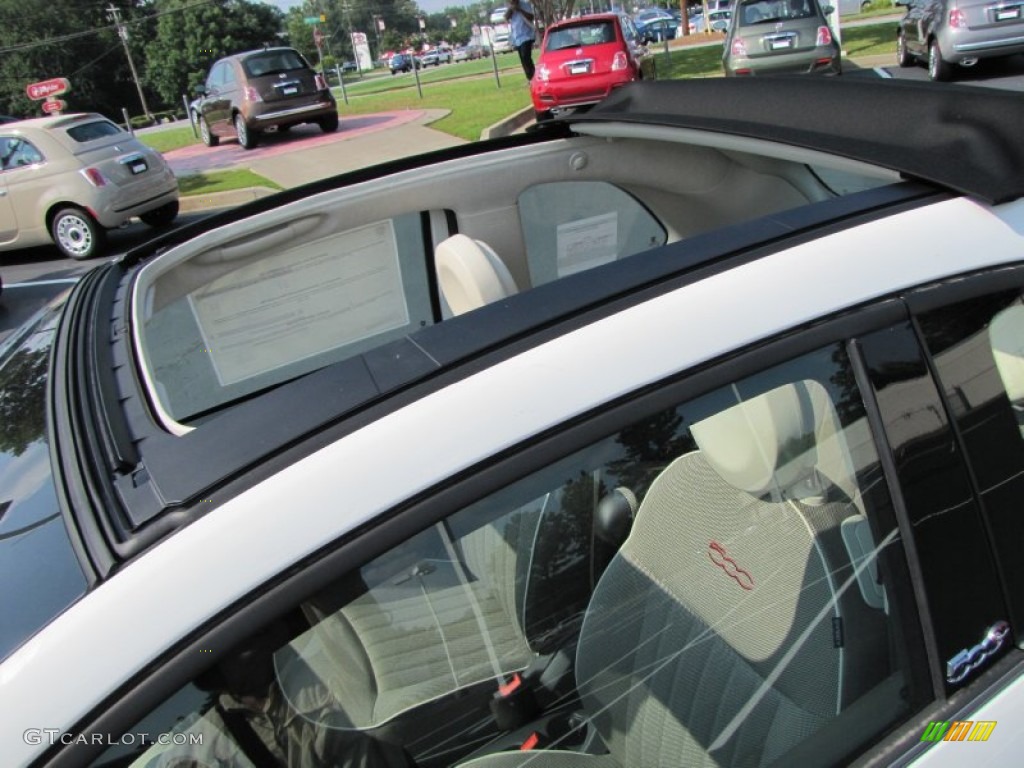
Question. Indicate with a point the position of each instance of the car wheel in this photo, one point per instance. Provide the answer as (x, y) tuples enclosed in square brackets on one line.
[(204, 131), (903, 56), (162, 216), (246, 137), (76, 234), (938, 69), (329, 124)]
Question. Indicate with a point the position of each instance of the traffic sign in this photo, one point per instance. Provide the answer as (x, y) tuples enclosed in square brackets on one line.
[(316, 19), (53, 105), (44, 88)]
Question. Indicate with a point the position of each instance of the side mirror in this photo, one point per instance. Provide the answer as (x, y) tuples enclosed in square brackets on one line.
[(827, 9), (200, 90)]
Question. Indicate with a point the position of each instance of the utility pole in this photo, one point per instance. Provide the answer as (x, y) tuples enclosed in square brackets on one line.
[(114, 14)]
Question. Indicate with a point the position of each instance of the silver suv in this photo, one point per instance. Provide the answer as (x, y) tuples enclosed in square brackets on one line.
[(947, 33)]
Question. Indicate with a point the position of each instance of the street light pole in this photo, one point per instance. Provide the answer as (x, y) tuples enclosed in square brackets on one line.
[(114, 14)]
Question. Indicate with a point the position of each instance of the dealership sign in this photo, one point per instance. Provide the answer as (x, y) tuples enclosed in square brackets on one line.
[(46, 88)]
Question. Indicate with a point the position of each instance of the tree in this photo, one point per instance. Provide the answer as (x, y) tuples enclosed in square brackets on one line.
[(66, 38), (190, 37)]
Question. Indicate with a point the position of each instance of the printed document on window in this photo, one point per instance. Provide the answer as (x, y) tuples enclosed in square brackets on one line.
[(587, 243), (301, 302)]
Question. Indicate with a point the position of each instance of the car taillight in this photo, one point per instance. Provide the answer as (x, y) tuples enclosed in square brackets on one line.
[(957, 18), (739, 47), (543, 73), (824, 36), (620, 61), (94, 176), (251, 94), (321, 81)]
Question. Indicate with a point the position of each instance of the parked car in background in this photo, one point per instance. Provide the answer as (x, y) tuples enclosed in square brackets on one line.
[(403, 62), (656, 25), (718, 21), (69, 178), (271, 88), (689, 437), (584, 59), (461, 53), (435, 57), (472, 51), (948, 34), (349, 66), (781, 37)]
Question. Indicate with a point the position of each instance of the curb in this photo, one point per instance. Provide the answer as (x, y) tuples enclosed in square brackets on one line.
[(509, 125), (229, 199)]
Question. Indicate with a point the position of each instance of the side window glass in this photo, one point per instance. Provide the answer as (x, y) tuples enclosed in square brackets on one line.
[(216, 76), (978, 349), (572, 226), (15, 152), (735, 554)]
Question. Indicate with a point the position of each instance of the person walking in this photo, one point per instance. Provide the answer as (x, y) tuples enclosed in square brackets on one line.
[(519, 14)]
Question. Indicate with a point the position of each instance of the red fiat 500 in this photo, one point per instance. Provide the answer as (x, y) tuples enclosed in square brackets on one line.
[(583, 59)]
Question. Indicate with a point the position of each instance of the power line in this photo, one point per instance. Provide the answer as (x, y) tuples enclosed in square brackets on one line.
[(97, 30)]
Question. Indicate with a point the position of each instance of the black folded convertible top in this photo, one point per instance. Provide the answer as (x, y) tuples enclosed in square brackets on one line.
[(965, 138)]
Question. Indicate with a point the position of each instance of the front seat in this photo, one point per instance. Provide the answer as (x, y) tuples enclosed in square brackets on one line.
[(716, 635), (470, 274)]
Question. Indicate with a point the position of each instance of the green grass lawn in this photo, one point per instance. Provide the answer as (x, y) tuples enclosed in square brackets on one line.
[(869, 41), (222, 181)]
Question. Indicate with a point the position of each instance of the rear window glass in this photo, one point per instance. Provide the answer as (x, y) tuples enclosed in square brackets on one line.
[(92, 131), (272, 62), (765, 11), (580, 35), (226, 322)]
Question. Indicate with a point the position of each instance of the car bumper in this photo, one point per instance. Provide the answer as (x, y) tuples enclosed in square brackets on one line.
[(576, 92), (824, 60), (275, 115), (115, 207), (964, 45)]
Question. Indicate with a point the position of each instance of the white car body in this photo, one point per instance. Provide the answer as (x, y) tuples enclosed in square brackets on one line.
[(154, 611)]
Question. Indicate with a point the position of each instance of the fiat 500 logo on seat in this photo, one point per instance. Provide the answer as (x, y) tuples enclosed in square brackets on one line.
[(720, 558)]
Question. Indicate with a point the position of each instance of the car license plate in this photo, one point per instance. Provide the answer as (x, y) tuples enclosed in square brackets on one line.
[(139, 166), (777, 44), (1007, 14), (579, 69), (290, 90)]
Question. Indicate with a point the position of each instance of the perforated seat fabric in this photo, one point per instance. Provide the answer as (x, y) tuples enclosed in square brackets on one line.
[(390, 657), (470, 274), (714, 636)]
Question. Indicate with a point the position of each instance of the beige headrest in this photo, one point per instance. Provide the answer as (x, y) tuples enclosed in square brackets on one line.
[(763, 443), (470, 274)]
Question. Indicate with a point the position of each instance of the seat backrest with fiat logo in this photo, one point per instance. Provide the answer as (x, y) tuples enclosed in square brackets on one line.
[(730, 626)]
